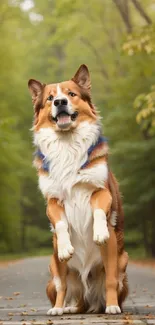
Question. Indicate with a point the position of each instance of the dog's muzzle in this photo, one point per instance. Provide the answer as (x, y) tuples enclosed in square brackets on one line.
[(63, 118)]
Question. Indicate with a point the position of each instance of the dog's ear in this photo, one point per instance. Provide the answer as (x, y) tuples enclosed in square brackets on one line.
[(36, 89), (82, 77)]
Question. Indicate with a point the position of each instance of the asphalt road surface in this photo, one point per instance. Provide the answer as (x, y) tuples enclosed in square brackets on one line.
[(23, 298)]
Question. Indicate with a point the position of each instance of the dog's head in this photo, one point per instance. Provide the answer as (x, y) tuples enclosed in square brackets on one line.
[(64, 105)]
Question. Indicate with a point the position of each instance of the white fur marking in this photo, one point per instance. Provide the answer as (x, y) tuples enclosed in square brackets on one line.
[(70, 310), (57, 283), (52, 229), (101, 233), (113, 310), (55, 311), (60, 95), (93, 175), (121, 278), (65, 248), (113, 218), (59, 91), (44, 184)]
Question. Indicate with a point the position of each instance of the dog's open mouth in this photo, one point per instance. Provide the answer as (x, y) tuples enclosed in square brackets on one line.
[(64, 119)]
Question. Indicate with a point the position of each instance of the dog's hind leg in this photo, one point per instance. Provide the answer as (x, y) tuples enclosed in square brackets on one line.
[(106, 237), (123, 281), (56, 288), (109, 254), (74, 298)]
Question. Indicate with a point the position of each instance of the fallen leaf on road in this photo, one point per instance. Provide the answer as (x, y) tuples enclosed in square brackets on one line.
[(8, 298), (24, 313), (22, 305), (49, 322), (10, 314), (127, 319), (16, 293), (33, 309), (148, 306), (149, 316)]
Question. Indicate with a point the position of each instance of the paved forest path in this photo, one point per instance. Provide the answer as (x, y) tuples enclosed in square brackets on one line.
[(23, 299)]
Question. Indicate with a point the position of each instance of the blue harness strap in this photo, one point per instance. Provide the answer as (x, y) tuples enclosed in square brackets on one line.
[(100, 140), (45, 163)]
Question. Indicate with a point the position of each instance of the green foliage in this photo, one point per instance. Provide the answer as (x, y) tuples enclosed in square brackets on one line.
[(145, 105), (143, 40), (48, 42), (37, 237)]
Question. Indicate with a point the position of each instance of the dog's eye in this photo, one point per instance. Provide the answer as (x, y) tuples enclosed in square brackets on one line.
[(71, 94), (50, 97)]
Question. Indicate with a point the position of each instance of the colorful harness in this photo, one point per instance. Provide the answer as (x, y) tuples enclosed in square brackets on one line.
[(97, 150)]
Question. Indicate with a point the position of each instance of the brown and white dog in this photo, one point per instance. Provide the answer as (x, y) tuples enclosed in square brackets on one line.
[(88, 266)]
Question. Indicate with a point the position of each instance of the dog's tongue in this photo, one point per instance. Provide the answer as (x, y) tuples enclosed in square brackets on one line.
[(64, 119)]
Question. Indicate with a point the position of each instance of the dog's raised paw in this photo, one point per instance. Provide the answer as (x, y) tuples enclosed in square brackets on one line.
[(70, 310), (65, 251), (55, 311), (101, 235), (113, 310)]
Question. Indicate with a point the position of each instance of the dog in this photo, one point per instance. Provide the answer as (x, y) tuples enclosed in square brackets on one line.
[(88, 266)]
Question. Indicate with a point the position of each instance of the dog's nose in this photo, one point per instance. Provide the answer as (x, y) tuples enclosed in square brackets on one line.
[(61, 102)]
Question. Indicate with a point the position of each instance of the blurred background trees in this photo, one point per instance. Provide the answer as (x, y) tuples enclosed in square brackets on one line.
[(48, 40)]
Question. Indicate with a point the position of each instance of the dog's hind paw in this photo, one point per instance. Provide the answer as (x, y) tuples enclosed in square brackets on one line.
[(70, 310), (113, 310), (55, 311)]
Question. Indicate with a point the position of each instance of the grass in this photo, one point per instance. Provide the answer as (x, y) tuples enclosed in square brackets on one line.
[(33, 253), (137, 253)]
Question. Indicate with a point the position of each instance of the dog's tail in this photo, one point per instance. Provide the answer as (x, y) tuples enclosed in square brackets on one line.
[(116, 201), (117, 214)]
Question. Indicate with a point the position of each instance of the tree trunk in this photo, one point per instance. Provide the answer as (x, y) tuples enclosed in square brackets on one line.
[(23, 234), (152, 244), (145, 235), (123, 8), (142, 12)]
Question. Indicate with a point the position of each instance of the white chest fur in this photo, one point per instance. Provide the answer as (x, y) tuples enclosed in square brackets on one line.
[(66, 152)]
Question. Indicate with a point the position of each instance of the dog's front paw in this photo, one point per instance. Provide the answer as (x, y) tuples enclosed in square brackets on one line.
[(101, 233), (55, 311), (113, 310), (65, 251)]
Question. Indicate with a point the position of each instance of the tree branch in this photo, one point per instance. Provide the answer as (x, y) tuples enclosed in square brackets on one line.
[(139, 7), (123, 9), (96, 53)]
